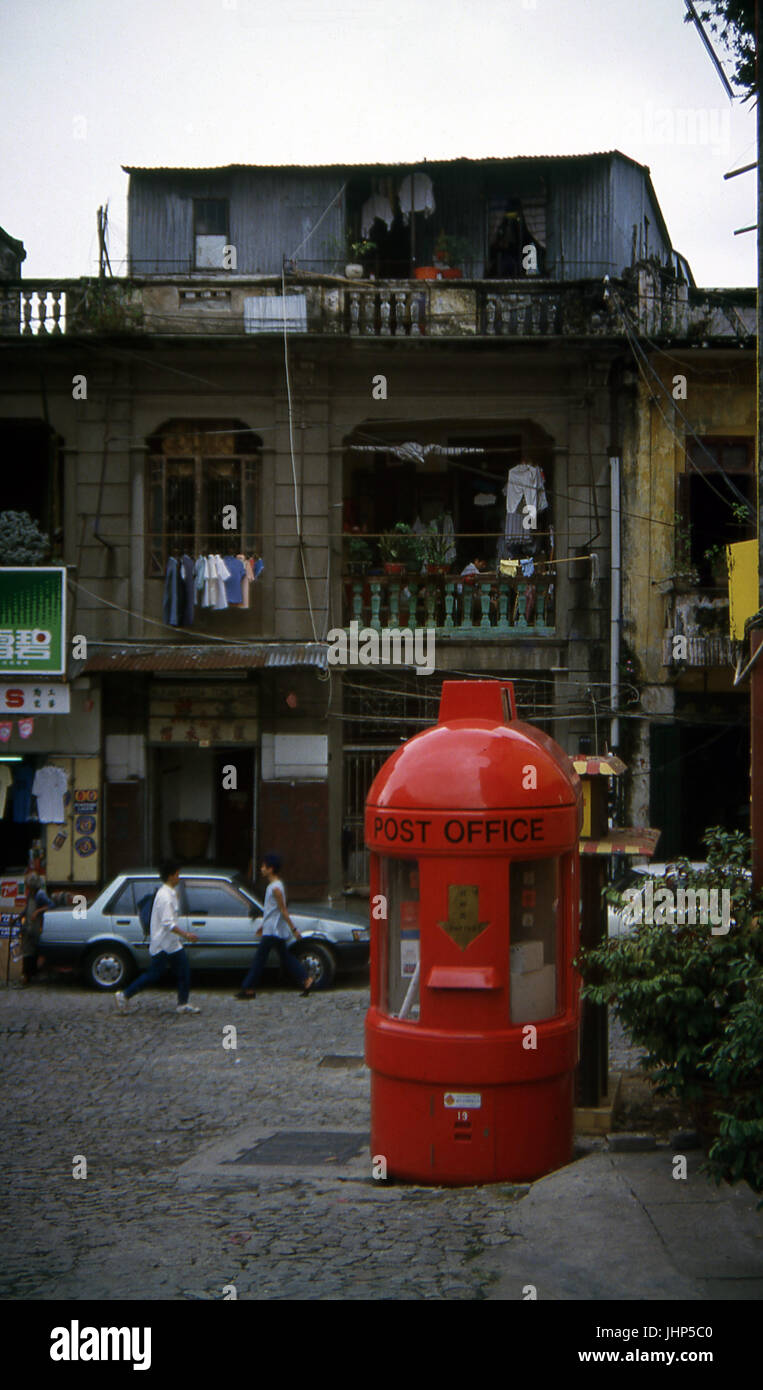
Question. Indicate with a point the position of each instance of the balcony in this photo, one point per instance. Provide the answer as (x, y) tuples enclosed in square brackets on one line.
[(484, 608), (697, 630), (227, 305)]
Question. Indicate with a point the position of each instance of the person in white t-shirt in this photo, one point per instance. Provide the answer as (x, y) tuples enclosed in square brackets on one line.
[(275, 934), (166, 946)]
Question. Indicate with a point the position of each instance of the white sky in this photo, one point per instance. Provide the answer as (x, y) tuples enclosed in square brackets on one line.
[(208, 82)]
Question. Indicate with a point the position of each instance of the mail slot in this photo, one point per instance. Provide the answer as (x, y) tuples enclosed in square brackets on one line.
[(471, 1036)]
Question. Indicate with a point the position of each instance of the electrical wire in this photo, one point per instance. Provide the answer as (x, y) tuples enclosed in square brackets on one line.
[(314, 228), (297, 516), (639, 353)]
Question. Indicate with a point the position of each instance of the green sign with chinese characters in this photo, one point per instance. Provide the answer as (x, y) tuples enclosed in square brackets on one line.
[(32, 621)]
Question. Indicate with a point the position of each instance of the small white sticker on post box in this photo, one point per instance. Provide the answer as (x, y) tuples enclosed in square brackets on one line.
[(462, 1100)]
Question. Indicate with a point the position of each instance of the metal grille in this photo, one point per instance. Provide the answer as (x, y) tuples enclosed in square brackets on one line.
[(188, 493), (288, 1147), (360, 766)]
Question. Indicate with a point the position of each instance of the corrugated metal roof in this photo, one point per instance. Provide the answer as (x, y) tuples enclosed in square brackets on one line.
[(144, 657), (391, 164)]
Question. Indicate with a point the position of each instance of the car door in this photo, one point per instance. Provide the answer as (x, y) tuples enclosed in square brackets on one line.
[(220, 914), (121, 915)]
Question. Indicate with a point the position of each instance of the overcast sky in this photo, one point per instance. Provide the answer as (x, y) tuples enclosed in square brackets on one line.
[(89, 85)]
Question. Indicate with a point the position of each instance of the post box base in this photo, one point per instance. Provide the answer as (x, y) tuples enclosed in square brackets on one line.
[(428, 1133)]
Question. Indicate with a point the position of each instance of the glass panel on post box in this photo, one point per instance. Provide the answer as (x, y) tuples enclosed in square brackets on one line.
[(534, 899), (399, 960)]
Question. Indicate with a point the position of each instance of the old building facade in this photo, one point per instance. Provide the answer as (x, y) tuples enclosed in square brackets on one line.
[(299, 361)]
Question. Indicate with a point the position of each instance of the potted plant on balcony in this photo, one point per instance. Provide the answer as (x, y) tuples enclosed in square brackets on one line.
[(449, 254), (716, 558), (401, 549), (361, 251), (437, 548), (360, 555)]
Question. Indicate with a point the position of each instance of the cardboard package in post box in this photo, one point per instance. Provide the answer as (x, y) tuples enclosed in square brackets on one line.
[(533, 996), (525, 956)]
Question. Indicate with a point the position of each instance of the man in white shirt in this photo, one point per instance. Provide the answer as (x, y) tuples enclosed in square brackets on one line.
[(275, 933), (166, 948)]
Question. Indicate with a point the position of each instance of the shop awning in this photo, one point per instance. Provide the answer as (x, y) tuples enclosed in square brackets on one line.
[(637, 840), (238, 656)]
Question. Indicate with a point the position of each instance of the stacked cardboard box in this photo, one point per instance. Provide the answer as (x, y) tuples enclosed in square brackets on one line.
[(533, 984), (12, 898)]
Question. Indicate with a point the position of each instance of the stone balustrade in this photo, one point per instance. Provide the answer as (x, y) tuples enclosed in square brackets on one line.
[(315, 304), (491, 606)]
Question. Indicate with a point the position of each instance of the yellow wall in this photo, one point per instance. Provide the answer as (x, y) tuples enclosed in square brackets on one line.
[(743, 585), (720, 401)]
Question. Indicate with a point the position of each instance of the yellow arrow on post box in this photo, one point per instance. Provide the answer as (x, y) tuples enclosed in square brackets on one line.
[(463, 925)]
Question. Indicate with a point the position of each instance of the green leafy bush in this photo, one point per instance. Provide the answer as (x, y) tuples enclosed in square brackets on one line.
[(736, 1068), (21, 540), (691, 999)]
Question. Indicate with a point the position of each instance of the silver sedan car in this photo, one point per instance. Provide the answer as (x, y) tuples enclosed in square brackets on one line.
[(109, 944)]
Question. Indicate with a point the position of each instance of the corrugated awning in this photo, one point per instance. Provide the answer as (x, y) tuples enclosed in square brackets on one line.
[(438, 164), (638, 840), (144, 657)]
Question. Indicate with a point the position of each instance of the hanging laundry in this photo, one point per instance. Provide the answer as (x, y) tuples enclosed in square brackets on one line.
[(49, 786), (528, 567), (234, 583), (201, 578), (218, 575), (171, 598), (525, 485), (259, 566), (187, 591), (416, 193), (21, 793), (509, 568), (246, 580), (6, 779), (375, 206)]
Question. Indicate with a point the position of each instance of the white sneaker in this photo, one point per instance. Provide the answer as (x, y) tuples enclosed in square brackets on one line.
[(187, 1009), (122, 1003)]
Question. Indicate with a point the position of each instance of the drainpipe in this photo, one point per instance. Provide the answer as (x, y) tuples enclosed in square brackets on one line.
[(104, 461), (615, 598)]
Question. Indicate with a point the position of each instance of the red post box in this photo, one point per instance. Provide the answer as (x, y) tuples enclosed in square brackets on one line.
[(472, 1033)]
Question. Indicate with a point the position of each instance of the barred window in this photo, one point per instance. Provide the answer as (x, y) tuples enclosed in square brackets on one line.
[(195, 470)]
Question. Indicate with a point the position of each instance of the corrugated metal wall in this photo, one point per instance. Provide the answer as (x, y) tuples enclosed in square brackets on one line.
[(271, 212), (632, 203), (579, 222), (592, 208)]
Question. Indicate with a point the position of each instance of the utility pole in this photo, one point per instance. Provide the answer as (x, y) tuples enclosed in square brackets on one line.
[(755, 664), (756, 633)]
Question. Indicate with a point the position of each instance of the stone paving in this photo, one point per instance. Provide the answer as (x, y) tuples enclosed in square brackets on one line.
[(139, 1095)]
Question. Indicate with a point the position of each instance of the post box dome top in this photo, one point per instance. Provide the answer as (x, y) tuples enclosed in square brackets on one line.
[(476, 757)]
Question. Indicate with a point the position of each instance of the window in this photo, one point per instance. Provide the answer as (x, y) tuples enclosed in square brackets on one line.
[(210, 232), (125, 904), (534, 899), (514, 225), (709, 516), (195, 469), (399, 938), (214, 899)]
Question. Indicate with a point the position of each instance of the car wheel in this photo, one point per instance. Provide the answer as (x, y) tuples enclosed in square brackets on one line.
[(108, 967), (320, 962)]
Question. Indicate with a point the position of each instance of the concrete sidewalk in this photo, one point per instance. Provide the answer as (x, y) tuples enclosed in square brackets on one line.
[(620, 1226)]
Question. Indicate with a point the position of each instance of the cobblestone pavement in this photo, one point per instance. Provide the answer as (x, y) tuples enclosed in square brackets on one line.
[(139, 1095)]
